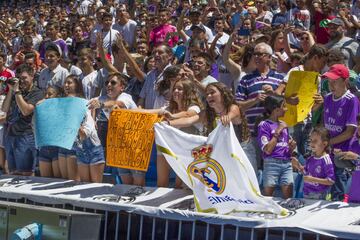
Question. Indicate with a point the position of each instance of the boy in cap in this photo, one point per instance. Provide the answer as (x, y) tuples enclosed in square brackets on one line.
[(341, 109)]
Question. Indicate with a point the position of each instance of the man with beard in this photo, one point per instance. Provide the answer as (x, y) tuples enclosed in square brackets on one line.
[(19, 105), (348, 46)]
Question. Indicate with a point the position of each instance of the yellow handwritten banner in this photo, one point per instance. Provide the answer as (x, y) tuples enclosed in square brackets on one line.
[(304, 84), (130, 139)]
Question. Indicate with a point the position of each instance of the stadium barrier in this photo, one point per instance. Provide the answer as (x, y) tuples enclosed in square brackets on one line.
[(164, 213)]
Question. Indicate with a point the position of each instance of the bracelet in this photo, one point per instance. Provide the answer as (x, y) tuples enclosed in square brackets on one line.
[(17, 92)]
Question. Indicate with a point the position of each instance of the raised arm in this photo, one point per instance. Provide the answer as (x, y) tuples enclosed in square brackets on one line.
[(106, 63), (180, 26), (139, 74), (233, 67), (213, 45)]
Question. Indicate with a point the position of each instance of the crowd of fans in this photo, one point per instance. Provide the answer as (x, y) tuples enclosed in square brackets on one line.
[(198, 63)]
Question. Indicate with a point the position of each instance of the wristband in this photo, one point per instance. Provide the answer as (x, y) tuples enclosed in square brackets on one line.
[(17, 92)]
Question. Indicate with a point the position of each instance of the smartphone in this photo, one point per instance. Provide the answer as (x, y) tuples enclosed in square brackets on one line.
[(152, 9), (244, 32)]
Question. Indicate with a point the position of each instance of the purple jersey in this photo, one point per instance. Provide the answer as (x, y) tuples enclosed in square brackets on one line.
[(266, 130), (340, 113), (321, 167)]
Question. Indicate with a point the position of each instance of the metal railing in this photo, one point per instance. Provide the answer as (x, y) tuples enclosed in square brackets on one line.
[(125, 224)]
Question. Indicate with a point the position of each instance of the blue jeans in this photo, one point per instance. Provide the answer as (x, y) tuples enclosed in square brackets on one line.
[(340, 187), (21, 153)]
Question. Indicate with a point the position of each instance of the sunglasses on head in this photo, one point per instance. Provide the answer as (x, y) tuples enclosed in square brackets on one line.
[(112, 82)]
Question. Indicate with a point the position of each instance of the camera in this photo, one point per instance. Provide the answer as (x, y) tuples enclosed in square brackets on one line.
[(12, 81)]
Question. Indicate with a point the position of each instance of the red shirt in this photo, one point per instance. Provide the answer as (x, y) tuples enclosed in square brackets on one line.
[(322, 35), (5, 75)]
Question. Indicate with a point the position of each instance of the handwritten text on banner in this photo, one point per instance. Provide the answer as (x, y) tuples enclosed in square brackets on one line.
[(130, 139), (58, 120)]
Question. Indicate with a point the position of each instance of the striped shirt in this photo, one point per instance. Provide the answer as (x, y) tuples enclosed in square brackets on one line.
[(250, 86)]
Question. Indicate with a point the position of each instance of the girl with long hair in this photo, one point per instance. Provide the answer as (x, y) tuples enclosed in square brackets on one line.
[(67, 158), (277, 147), (184, 102)]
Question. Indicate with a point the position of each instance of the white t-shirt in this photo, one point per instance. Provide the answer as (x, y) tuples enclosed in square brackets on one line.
[(125, 98), (109, 38), (90, 85), (74, 70), (127, 31), (209, 79), (90, 129)]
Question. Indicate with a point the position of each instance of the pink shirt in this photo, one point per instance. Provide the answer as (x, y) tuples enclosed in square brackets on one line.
[(158, 35)]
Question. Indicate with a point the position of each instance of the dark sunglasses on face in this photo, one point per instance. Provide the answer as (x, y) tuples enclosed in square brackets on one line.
[(112, 82), (259, 54)]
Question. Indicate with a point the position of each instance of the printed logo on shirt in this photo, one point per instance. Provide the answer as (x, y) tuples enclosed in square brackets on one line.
[(339, 112), (331, 120), (264, 140), (333, 128), (318, 169)]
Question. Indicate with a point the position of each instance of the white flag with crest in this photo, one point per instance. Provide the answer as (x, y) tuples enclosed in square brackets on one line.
[(216, 169)]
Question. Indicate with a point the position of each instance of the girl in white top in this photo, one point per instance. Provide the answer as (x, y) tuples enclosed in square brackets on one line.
[(89, 152), (184, 102)]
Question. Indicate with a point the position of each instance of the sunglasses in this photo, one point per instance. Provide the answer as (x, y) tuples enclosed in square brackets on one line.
[(259, 54), (112, 82), (304, 38)]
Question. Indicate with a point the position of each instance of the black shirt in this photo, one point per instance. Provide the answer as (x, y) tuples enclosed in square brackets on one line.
[(18, 123)]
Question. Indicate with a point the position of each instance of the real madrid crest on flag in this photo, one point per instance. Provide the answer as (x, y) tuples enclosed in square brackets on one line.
[(216, 169), (207, 170)]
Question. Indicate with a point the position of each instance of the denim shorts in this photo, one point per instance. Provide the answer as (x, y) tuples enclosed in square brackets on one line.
[(126, 172), (20, 153), (89, 154), (277, 172), (63, 152), (48, 154)]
